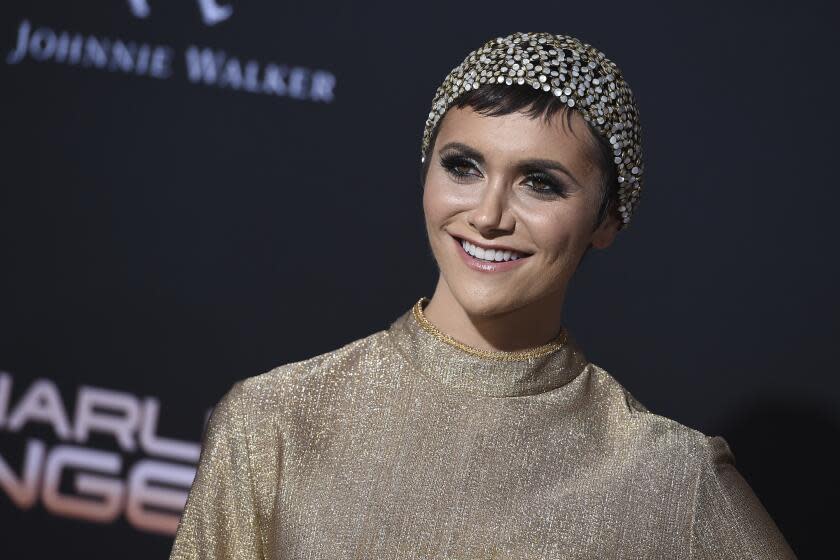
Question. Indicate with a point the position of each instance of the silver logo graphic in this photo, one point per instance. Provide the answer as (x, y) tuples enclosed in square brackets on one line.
[(211, 12)]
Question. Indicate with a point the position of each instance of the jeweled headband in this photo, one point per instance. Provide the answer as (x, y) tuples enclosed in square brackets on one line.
[(578, 73)]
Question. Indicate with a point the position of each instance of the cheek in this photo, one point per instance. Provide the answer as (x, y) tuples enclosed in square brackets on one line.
[(439, 202), (555, 233), (430, 202)]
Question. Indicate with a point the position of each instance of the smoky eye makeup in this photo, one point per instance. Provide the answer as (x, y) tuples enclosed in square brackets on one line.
[(457, 165), (548, 185), (539, 182)]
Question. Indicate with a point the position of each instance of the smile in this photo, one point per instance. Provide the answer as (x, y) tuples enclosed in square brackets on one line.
[(486, 259), (490, 254)]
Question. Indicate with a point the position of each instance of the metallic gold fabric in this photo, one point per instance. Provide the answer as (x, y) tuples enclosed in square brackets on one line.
[(402, 445)]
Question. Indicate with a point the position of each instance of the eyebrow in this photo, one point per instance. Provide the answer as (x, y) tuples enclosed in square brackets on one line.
[(524, 164)]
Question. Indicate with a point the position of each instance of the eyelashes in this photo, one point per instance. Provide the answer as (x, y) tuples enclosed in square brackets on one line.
[(458, 167), (454, 165)]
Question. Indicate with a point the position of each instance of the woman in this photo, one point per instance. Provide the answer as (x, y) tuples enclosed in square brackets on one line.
[(473, 427)]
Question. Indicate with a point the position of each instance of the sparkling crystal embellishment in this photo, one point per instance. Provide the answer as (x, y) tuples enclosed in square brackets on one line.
[(578, 74)]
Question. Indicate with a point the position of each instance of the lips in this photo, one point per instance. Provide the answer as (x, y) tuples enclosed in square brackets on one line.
[(487, 266), (519, 252), (490, 255)]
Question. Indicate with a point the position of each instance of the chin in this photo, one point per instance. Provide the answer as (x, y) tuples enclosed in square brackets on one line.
[(479, 303)]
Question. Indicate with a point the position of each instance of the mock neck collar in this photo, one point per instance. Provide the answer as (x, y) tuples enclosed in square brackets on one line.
[(471, 370)]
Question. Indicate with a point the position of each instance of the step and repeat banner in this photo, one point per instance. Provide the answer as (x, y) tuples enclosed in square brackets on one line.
[(195, 192)]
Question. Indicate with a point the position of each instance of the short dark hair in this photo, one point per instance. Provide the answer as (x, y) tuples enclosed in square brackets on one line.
[(502, 99)]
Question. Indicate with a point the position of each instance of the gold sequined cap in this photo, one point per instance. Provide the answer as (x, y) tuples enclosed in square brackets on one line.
[(563, 66)]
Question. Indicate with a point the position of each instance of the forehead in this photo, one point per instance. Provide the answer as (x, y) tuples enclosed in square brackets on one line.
[(517, 136)]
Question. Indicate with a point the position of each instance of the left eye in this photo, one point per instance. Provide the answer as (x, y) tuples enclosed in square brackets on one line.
[(460, 169), (545, 185)]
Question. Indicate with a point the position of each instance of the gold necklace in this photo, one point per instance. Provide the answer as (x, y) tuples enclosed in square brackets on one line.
[(503, 355)]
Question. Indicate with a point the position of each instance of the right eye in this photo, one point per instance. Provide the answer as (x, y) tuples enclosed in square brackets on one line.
[(457, 166)]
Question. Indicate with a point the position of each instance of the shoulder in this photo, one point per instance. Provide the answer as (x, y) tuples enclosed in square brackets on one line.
[(267, 392), (661, 434)]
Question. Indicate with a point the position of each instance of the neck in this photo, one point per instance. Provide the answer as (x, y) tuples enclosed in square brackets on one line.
[(525, 327)]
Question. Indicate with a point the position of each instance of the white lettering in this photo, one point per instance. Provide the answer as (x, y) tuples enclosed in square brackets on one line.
[(250, 81), (141, 494), (216, 68), (5, 395), (123, 56), (41, 403), (69, 50), (212, 13), (95, 53), (42, 44), (164, 447), (322, 86), (274, 80), (122, 425), (160, 66), (203, 65), (140, 8), (152, 494), (298, 82), (232, 74), (109, 491), (24, 490), (21, 45)]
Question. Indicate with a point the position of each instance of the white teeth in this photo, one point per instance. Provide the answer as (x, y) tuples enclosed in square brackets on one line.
[(489, 254)]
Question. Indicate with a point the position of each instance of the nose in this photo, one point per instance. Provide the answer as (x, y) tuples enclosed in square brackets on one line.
[(491, 214)]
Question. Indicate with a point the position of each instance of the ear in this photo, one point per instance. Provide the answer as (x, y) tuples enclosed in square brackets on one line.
[(604, 236)]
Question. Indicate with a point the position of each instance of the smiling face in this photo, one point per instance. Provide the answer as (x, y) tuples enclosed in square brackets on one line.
[(513, 183)]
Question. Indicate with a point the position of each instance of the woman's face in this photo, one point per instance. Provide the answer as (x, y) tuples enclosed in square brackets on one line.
[(516, 183)]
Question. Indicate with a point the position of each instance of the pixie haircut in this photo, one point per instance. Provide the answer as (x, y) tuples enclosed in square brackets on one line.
[(500, 99)]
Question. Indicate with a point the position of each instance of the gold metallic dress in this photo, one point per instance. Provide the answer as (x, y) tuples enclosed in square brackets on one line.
[(407, 444)]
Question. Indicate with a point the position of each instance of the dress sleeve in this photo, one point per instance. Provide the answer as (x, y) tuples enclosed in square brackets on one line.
[(219, 521), (730, 521)]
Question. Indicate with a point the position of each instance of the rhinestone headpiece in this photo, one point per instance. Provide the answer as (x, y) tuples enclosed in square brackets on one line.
[(576, 72)]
